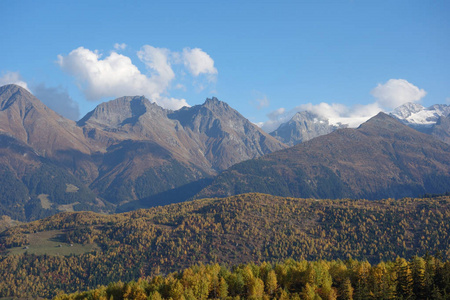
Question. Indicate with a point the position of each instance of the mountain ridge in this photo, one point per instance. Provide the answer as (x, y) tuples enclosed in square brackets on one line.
[(128, 149), (302, 127), (305, 125), (381, 158)]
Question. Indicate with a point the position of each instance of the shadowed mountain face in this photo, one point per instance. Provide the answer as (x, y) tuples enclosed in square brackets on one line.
[(441, 129), (382, 158), (127, 149)]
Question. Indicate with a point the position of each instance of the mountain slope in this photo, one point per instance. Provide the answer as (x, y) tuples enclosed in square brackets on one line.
[(441, 129), (24, 117), (223, 135), (419, 117), (125, 150), (239, 229), (150, 150), (32, 187), (39, 150), (306, 125), (382, 158)]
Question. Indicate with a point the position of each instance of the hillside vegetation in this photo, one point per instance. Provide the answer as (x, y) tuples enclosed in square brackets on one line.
[(239, 229), (419, 278)]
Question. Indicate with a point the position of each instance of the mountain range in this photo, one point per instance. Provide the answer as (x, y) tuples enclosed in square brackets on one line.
[(124, 150), (380, 159), (305, 125), (129, 153)]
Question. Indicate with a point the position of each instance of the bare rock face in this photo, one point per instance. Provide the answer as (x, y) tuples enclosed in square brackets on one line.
[(302, 127), (25, 117), (195, 142), (382, 158), (223, 135)]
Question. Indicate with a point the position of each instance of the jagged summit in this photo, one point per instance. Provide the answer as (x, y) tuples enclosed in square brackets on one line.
[(419, 117), (127, 149), (120, 111), (406, 110), (12, 93), (27, 119), (301, 115), (224, 133), (302, 127), (214, 103), (213, 100)]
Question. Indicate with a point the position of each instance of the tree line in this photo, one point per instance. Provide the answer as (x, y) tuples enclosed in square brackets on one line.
[(419, 278)]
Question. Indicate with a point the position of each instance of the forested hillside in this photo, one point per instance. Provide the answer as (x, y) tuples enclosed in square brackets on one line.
[(418, 278), (239, 229)]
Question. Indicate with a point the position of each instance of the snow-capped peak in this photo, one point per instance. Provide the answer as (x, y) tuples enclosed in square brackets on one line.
[(416, 114), (406, 110)]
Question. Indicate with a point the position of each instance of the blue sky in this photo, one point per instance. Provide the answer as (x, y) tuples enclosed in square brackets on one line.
[(344, 60)]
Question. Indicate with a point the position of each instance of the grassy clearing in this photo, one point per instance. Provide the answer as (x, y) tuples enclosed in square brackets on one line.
[(70, 188), (6, 222), (45, 202), (67, 207), (50, 243)]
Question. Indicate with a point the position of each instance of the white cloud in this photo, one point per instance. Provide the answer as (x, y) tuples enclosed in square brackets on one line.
[(261, 102), (172, 103), (118, 46), (276, 113), (396, 92), (13, 78), (276, 117), (198, 62), (324, 110), (116, 75), (157, 61), (392, 94), (58, 100), (180, 86), (335, 113)]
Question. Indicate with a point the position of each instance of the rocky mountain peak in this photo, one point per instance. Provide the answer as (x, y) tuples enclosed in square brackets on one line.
[(216, 105), (406, 110), (382, 124), (419, 117), (303, 126), (13, 94), (381, 158), (28, 120), (304, 115), (120, 111)]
